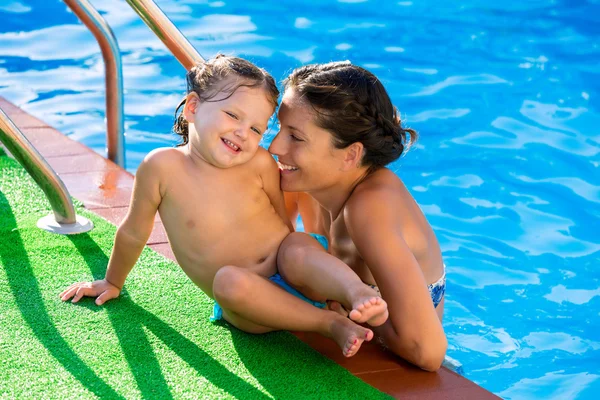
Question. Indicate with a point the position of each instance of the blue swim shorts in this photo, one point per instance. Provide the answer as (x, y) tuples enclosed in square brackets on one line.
[(321, 239), (278, 280)]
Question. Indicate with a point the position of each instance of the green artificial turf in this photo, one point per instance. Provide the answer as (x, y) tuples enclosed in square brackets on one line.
[(154, 341)]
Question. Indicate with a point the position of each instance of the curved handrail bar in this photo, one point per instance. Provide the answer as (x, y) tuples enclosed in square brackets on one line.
[(166, 31), (114, 77), (38, 168)]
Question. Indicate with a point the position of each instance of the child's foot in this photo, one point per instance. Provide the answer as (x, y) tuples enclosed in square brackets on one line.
[(369, 308), (349, 336), (337, 307)]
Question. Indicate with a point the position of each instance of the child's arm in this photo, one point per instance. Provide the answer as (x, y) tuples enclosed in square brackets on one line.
[(131, 237), (269, 172)]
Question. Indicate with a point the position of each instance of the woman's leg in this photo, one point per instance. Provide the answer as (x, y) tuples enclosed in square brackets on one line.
[(254, 304), (304, 264)]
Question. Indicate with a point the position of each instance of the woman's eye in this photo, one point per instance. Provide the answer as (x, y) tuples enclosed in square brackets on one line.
[(232, 115), (296, 138)]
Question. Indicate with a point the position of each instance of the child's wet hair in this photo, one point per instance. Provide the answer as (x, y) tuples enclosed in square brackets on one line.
[(205, 80), (352, 104)]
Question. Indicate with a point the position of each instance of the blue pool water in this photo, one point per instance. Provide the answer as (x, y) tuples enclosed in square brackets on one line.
[(504, 94)]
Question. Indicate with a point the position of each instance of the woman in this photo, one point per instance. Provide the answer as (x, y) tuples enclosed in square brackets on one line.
[(338, 131)]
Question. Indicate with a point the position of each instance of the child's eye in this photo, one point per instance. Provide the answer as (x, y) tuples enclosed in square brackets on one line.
[(257, 131), (232, 115)]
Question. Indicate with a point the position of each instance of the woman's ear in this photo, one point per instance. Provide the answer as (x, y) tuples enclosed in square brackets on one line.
[(191, 104), (353, 155)]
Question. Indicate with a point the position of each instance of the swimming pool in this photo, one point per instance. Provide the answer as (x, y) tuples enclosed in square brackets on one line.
[(507, 168)]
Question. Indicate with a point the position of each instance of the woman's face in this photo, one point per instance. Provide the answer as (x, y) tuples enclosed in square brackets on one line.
[(307, 158)]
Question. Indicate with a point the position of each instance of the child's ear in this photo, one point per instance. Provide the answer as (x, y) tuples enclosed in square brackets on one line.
[(353, 155), (191, 104)]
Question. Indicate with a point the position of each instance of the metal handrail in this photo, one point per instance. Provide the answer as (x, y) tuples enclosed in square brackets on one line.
[(38, 168), (166, 31), (64, 219), (115, 136)]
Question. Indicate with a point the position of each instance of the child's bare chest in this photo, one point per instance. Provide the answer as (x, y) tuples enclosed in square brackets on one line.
[(216, 201), (224, 220)]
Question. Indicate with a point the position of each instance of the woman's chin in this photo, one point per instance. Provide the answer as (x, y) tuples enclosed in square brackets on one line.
[(288, 184), (288, 188)]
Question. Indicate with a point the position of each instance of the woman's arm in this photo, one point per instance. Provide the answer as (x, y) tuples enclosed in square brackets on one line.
[(416, 332)]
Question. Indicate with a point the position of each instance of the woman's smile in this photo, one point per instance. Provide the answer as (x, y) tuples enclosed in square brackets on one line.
[(285, 168)]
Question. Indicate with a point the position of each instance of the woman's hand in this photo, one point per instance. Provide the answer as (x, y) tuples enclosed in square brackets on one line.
[(102, 289)]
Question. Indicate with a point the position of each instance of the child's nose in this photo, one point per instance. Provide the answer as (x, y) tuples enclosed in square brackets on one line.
[(241, 132)]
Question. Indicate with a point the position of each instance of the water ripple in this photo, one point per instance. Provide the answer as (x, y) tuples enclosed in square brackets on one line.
[(482, 79), (443, 113), (560, 294), (576, 185), (15, 7), (563, 386), (36, 46), (522, 134)]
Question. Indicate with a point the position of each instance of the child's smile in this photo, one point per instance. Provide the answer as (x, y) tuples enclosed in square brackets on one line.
[(230, 145)]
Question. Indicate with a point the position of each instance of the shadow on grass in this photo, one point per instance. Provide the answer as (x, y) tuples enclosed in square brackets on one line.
[(28, 297), (128, 320)]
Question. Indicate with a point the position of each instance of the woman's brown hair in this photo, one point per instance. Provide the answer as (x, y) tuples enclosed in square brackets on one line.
[(204, 80), (352, 104)]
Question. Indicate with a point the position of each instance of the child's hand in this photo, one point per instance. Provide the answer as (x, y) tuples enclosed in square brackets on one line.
[(103, 290)]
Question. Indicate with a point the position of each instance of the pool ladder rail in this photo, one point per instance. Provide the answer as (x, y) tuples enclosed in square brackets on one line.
[(64, 219)]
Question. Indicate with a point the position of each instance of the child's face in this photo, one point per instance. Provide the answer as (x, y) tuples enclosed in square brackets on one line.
[(226, 133)]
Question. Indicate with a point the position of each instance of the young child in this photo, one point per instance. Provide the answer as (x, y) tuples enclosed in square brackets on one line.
[(219, 199)]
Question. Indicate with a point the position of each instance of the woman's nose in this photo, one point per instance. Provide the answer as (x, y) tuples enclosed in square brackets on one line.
[(275, 147)]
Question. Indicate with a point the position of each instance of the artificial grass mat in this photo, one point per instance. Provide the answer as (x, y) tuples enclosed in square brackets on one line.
[(154, 341)]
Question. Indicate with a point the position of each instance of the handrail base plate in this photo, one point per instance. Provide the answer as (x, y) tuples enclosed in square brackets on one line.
[(49, 223)]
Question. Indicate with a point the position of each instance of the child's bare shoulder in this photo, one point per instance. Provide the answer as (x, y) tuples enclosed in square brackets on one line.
[(160, 164), (164, 154), (162, 159), (263, 160)]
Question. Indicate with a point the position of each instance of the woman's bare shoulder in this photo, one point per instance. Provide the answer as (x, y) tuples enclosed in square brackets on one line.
[(380, 185)]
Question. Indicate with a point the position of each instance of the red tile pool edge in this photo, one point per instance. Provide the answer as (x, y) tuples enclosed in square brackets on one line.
[(105, 188)]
